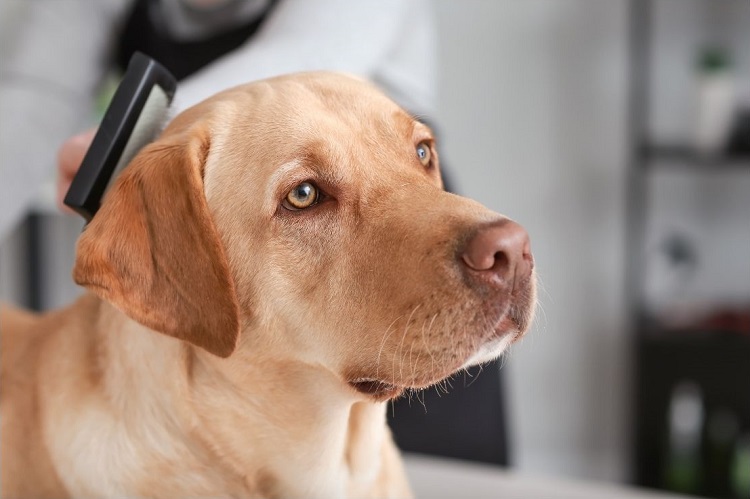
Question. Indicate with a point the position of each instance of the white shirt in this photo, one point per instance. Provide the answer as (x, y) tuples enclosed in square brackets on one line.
[(52, 56)]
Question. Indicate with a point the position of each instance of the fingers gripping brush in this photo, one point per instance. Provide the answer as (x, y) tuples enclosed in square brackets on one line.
[(133, 119)]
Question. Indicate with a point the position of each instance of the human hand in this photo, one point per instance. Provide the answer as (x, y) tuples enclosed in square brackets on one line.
[(69, 158)]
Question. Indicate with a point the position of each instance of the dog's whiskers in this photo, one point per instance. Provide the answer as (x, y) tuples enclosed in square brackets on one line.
[(400, 348), (504, 357), (540, 312), (475, 378), (422, 400), (413, 366), (382, 344), (427, 347), (448, 382)]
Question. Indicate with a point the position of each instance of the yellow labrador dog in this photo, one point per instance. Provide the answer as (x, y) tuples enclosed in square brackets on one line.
[(262, 279)]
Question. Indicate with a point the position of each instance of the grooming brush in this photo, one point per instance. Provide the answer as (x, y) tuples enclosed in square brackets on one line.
[(133, 119)]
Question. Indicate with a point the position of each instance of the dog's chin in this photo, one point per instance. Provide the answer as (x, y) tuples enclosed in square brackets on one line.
[(490, 351), (380, 390), (508, 328), (506, 331)]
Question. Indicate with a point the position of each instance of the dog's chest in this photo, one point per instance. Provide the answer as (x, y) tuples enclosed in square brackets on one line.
[(100, 456)]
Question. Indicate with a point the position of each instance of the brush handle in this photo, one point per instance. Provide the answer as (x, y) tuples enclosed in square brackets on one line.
[(142, 76)]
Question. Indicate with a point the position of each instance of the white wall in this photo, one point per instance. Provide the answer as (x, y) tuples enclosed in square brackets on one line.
[(533, 117)]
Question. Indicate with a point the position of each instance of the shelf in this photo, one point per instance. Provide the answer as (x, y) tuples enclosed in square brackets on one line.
[(718, 365), (712, 354), (685, 157), (732, 323), (684, 337)]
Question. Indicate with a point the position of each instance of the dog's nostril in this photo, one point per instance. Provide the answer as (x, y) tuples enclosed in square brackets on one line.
[(500, 250), (501, 261)]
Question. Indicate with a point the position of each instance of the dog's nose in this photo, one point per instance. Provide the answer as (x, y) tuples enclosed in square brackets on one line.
[(499, 253)]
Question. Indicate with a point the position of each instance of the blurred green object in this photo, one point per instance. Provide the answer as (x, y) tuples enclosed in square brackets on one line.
[(105, 94), (683, 474), (721, 435), (714, 60), (684, 469), (740, 472)]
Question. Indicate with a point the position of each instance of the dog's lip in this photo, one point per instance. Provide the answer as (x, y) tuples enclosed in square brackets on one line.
[(508, 324), (377, 389), (514, 319)]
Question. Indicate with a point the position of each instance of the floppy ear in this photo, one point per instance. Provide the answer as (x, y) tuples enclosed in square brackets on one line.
[(153, 251)]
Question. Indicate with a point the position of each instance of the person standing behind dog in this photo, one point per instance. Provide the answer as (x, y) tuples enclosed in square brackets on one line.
[(57, 54)]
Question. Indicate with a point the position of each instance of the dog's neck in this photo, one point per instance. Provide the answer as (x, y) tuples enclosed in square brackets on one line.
[(274, 426), (293, 424)]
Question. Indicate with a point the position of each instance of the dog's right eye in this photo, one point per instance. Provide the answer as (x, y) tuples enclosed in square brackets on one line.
[(424, 154), (302, 196)]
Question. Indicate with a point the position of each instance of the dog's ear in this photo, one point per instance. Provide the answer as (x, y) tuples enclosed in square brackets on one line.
[(153, 251)]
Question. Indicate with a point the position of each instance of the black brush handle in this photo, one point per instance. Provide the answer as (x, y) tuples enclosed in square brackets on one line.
[(99, 163)]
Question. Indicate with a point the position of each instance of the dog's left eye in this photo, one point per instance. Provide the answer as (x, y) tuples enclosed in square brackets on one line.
[(301, 197), (424, 154)]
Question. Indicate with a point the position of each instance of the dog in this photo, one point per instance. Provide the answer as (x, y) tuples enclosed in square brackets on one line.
[(261, 280)]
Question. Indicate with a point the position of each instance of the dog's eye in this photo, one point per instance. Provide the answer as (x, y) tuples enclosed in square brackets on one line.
[(301, 197), (424, 154)]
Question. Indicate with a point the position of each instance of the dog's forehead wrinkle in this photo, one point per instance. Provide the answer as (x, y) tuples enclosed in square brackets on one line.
[(341, 105), (280, 173)]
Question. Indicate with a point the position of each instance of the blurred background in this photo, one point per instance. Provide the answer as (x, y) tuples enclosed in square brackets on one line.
[(618, 133)]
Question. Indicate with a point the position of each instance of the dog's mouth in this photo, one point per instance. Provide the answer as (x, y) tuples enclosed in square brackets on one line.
[(514, 320), (483, 336), (379, 390), (514, 323)]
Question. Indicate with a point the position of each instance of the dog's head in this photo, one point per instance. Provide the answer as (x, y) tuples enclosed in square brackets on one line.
[(305, 215)]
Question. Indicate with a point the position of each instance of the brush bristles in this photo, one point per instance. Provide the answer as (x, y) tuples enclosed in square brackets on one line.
[(150, 123)]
